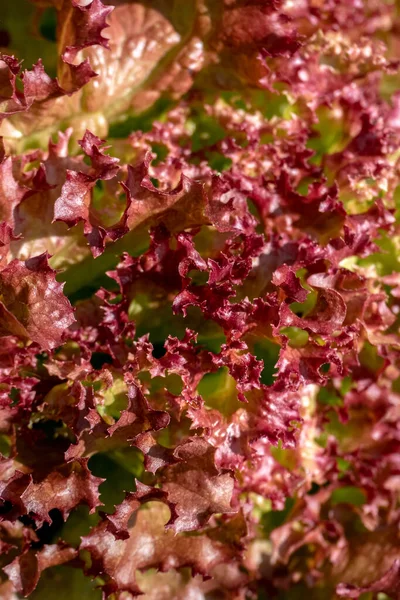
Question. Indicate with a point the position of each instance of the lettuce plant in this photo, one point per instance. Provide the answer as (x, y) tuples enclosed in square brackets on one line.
[(199, 299)]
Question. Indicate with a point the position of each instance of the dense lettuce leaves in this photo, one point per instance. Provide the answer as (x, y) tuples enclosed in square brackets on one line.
[(199, 299)]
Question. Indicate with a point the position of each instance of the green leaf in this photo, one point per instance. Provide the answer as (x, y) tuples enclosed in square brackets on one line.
[(65, 583), (349, 495)]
